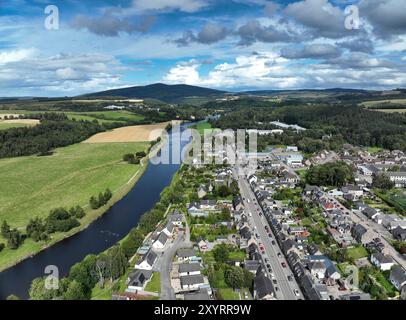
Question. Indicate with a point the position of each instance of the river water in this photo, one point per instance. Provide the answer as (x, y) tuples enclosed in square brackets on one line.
[(101, 234)]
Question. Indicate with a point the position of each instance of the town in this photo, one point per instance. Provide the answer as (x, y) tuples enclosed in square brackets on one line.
[(268, 234)]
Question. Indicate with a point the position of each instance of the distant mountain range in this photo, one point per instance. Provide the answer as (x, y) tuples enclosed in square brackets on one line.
[(160, 91)]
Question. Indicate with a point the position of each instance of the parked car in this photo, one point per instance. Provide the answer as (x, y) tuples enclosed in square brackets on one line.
[(274, 281), (273, 242), (279, 255), (283, 264), (290, 278), (296, 292)]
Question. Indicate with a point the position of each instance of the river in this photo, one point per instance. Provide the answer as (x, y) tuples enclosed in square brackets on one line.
[(100, 235)]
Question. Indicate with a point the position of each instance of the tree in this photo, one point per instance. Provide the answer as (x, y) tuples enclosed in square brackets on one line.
[(84, 272), (2, 246), (94, 203), (132, 242), (129, 157), (141, 154), (235, 277), (75, 291), (13, 297), (5, 229), (381, 181), (221, 253), (14, 239)]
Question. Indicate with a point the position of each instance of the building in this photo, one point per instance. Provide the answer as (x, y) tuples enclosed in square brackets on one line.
[(189, 269), (356, 296), (201, 294), (382, 261), (192, 282), (148, 261), (169, 229), (138, 279), (160, 243), (358, 232), (263, 287), (398, 277), (186, 254), (176, 218)]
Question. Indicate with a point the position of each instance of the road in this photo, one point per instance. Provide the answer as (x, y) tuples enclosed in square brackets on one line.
[(165, 265), (285, 287)]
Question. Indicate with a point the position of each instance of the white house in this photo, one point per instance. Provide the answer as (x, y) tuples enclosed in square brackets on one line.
[(399, 178), (147, 262), (398, 277), (160, 243), (382, 261), (138, 279), (192, 282), (169, 228), (189, 269)]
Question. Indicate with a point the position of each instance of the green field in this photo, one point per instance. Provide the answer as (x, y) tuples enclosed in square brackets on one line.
[(228, 294), (373, 150), (105, 116), (5, 126), (154, 285), (388, 102), (32, 186), (202, 126)]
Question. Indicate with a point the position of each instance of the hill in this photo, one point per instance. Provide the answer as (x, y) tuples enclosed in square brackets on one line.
[(160, 91)]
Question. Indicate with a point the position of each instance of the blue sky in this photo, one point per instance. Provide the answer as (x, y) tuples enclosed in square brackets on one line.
[(224, 44)]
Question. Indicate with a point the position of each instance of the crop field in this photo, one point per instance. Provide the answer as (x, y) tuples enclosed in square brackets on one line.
[(392, 110), (106, 116), (130, 134), (32, 186)]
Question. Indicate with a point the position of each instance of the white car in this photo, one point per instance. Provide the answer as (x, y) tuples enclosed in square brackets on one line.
[(296, 292)]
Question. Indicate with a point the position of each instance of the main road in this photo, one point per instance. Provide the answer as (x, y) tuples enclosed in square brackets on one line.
[(285, 287)]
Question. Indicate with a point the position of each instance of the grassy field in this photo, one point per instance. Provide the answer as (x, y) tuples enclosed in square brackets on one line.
[(32, 186), (5, 125), (373, 150), (229, 294), (369, 104), (154, 285), (202, 126), (105, 116), (357, 253)]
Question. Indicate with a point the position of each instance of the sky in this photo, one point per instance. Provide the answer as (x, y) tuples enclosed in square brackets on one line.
[(76, 47)]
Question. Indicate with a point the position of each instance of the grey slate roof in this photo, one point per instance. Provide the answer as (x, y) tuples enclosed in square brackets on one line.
[(139, 277), (191, 280), (189, 267), (263, 286)]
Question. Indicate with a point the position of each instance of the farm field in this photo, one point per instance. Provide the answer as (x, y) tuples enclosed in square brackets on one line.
[(369, 104), (392, 110), (130, 134), (32, 186), (202, 126)]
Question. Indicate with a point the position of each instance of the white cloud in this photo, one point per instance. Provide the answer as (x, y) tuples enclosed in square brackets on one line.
[(15, 55)]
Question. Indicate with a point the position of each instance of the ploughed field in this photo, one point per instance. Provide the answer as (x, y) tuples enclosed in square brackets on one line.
[(148, 132)]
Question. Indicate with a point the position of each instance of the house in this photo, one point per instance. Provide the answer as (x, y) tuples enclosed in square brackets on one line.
[(169, 228), (176, 218), (189, 269), (263, 287), (331, 270), (252, 265), (382, 261), (292, 149), (318, 269), (148, 261), (358, 232), (399, 233), (370, 212), (355, 191), (200, 295), (192, 282), (398, 277), (186, 254), (327, 205), (403, 293), (238, 204), (208, 205), (160, 243), (138, 279), (195, 211)]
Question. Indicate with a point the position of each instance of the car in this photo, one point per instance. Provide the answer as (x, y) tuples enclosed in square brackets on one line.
[(273, 242), (274, 281), (268, 265), (257, 236), (269, 270), (262, 249), (270, 236), (246, 295), (267, 228), (290, 278), (296, 292), (279, 255), (276, 289), (249, 214), (283, 264), (266, 260)]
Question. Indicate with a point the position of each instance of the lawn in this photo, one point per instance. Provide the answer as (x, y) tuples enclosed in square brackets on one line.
[(373, 150), (357, 253), (32, 186), (228, 294), (154, 285)]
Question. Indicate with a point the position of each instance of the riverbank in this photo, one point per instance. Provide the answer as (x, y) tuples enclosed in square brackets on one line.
[(10, 258)]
